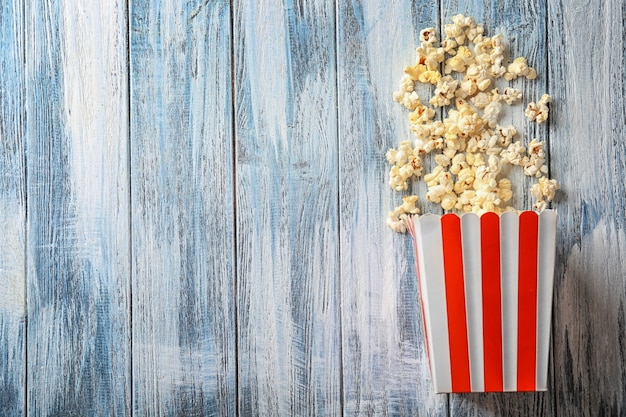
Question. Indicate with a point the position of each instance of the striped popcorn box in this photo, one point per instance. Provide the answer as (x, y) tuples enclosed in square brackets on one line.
[(486, 295)]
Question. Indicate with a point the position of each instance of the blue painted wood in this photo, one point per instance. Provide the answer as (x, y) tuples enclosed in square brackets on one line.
[(287, 207), (385, 362), (311, 307), (12, 211), (182, 209), (588, 79), (78, 346)]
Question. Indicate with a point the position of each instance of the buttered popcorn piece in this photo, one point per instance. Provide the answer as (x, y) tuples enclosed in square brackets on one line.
[(518, 68), (406, 164), (395, 218), (460, 61), (446, 86), (471, 150), (544, 191), (511, 95), (539, 111)]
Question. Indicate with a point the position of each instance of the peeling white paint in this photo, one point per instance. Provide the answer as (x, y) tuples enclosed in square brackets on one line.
[(587, 322), (12, 260)]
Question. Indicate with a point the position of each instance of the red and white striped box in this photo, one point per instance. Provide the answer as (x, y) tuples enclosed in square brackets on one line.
[(486, 294)]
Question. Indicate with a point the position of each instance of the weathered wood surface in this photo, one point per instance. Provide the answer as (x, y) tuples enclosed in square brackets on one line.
[(588, 80), (193, 196), (12, 211), (182, 214), (385, 365), (78, 351), (287, 208)]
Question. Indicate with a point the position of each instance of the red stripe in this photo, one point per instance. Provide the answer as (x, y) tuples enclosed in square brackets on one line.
[(527, 302), (455, 302), (492, 305)]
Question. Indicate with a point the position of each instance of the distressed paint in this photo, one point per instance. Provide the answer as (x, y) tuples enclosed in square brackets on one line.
[(182, 209), (325, 312), (385, 363), (12, 211), (78, 350), (587, 76), (287, 195)]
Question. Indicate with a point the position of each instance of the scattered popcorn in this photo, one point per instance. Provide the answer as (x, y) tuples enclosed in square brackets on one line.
[(511, 95), (544, 191), (471, 150), (519, 67), (481, 100), (538, 112), (459, 61), (514, 154), (491, 113), (446, 86), (406, 163), (395, 219)]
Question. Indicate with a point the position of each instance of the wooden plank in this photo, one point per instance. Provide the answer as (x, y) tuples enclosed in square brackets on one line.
[(287, 196), (587, 79), (385, 364), (524, 29), (182, 209), (78, 348), (12, 211)]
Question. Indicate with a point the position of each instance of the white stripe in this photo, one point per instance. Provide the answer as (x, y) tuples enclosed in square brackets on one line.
[(545, 280), (509, 245), (470, 232), (430, 257)]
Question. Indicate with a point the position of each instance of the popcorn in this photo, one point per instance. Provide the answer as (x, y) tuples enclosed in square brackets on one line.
[(519, 67), (471, 150), (511, 95), (421, 114), (442, 160), (406, 163), (514, 154), (446, 86), (428, 36), (544, 191), (491, 113), (480, 75), (535, 165), (505, 135), (459, 61), (395, 218), (448, 46), (481, 100), (538, 112), (467, 89)]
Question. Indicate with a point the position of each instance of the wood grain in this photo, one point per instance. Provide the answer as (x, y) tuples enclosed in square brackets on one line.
[(78, 349), (213, 174), (12, 211), (524, 28), (287, 196), (385, 362), (182, 209), (587, 76)]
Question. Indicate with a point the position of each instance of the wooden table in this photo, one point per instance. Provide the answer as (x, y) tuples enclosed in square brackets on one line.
[(193, 197)]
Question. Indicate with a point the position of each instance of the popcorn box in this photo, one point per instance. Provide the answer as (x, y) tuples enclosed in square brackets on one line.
[(486, 296)]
